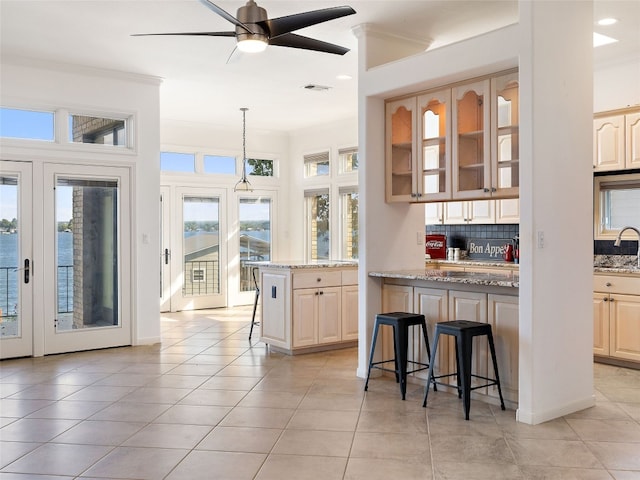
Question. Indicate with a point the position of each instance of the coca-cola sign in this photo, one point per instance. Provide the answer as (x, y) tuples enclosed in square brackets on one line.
[(435, 245)]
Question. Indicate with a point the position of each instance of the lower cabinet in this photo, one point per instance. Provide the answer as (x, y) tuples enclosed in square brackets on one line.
[(441, 305), (616, 317), (309, 309)]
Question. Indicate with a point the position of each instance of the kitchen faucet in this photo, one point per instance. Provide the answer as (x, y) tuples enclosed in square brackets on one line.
[(619, 237)]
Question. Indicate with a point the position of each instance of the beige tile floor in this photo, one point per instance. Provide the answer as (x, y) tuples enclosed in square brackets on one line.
[(208, 405)]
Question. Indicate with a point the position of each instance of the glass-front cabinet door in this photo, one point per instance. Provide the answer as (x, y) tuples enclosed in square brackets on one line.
[(400, 150), (505, 148), (435, 166), (471, 142)]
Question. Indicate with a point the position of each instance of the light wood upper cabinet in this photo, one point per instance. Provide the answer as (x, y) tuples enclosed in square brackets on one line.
[(472, 141), (457, 143), (400, 152), (616, 140), (632, 133)]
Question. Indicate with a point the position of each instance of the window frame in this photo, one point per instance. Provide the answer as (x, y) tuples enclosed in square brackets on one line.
[(602, 184)]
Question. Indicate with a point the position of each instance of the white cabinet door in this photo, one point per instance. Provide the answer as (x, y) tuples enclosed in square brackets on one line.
[(508, 211), (455, 213), (625, 326), (329, 324), (503, 316), (471, 306), (434, 213), (433, 304), (608, 143), (632, 135), (350, 312), (481, 212), (305, 317), (601, 324)]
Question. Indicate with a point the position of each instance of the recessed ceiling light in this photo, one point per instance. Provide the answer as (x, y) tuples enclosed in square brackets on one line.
[(599, 40), (344, 77), (604, 22)]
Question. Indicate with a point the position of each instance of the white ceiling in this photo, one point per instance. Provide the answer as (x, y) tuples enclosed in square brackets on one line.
[(200, 86)]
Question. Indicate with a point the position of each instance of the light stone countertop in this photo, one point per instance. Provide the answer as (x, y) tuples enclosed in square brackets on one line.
[(624, 264), (292, 264), (472, 263), (506, 279)]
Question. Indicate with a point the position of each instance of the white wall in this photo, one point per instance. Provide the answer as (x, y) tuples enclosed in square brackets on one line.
[(322, 138), (49, 86), (616, 85)]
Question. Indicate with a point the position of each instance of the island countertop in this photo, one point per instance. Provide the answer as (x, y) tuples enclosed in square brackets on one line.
[(506, 279), (291, 264)]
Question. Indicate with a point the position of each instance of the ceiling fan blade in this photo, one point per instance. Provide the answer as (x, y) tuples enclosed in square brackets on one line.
[(224, 14), (195, 34), (289, 23), (298, 41)]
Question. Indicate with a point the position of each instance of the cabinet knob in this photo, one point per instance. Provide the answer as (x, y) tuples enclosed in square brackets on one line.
[(486, 190), (605, 299), (318, 279), (608, 284), (611, 299), (321, 292)]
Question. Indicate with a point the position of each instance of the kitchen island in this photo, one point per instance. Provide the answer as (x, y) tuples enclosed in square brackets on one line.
[(308, 306), (448, 294)]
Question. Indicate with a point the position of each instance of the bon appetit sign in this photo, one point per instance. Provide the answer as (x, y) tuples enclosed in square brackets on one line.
[(486, 248)]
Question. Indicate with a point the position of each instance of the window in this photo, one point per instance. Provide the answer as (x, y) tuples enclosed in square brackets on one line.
[(27, 124), (98, 130), (349, 227), (317, 215), (316, 165), (616, 200), (177, 162), (259, 167), (219, 164), (348, 158), (255, 236)]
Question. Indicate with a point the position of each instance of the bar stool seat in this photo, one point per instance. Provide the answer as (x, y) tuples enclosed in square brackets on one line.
[(463, 331), (400, 322)]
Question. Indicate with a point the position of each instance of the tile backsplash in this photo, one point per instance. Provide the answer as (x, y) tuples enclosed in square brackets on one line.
[(457, 235), (605, 247)]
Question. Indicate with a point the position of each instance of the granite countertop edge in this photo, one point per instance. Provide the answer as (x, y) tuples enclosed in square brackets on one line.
[(445, 276), (299, 264)]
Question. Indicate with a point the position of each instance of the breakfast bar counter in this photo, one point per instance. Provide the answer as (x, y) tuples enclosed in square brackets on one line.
[(447, 294)]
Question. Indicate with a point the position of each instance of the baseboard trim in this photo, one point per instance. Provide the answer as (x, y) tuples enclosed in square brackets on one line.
[(534, 418)]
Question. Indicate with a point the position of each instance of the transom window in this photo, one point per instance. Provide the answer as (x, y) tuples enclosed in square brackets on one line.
[(27, 124), (316, 165)]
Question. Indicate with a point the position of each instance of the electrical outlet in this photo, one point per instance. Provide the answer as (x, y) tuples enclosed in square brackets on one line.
[(540, 239)]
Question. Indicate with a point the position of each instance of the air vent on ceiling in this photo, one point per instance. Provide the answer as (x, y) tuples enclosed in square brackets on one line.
[(316, 88)]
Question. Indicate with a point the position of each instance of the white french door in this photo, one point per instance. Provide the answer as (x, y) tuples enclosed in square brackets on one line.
[(199, 249), (16, 260), (166, 280), (87, 251)]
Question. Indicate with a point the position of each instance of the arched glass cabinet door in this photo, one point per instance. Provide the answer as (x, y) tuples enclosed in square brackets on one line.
[(505, 137), (435, 146)]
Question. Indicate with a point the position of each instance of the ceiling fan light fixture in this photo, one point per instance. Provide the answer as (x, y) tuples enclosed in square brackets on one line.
[(252, 45)]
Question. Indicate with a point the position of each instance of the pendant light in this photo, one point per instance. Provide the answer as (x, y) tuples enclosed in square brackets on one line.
[(243, 184)]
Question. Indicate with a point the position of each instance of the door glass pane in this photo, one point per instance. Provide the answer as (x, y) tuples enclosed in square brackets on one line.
[(255, 236), (434, 159), (508, 136), (401, 159), (9, 255), (200, 246), (317, 206), (86, 213), (470, 142)]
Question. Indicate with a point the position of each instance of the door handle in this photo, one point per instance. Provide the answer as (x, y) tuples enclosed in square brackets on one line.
[(26, 270), (166, 256)]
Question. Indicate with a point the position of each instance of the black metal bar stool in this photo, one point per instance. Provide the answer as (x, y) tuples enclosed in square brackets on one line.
[(463, 331), (255, 302), (400, 321)]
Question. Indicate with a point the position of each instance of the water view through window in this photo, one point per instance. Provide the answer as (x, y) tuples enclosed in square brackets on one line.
[(255, 236)]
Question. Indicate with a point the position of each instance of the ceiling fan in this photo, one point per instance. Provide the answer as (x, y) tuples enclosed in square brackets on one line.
[(254, 30)]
